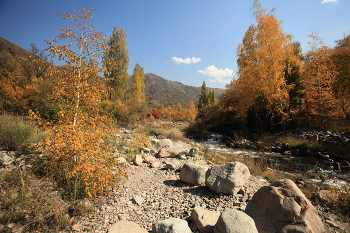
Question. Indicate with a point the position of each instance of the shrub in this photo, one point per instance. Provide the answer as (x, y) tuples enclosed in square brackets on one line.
[(198, 130), (78, 160), (15, 132), (172, 133)]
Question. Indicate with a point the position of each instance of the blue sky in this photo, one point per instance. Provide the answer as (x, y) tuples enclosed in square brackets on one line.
[(188, 41)]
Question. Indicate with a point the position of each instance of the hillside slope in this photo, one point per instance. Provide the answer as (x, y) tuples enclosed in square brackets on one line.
[(169, 93)]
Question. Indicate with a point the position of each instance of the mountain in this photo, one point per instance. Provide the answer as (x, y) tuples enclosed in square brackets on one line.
[(157, 89), (169, 93)]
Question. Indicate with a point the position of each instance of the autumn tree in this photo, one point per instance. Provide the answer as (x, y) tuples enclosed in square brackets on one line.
[(11, 86), (341, 58), (137, 97), (76, 157), (262, 57), (37, 63), (319, 78), (190, 112), (116, 61), (19, 85)]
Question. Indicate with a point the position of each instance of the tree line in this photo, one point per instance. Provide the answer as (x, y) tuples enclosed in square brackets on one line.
[(279, 87)]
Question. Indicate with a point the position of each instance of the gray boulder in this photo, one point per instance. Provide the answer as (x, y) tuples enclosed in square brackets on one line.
[(193, 152), (282, 207), (205, 220), (235, 221), (228, 178), (171, 225), (124, 226), (163, 143), (193, 174)]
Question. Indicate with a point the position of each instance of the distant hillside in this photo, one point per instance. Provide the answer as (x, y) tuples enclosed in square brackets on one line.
[(9, 52), (158, 90), (169, 93)]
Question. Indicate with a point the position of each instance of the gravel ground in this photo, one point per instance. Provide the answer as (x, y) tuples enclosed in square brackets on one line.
[(149, 195)]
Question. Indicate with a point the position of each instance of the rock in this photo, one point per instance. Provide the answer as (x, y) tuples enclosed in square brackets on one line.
[(138, 200), (76, 227), (149, 159), (167, 152), (156, 164), (235, 221), (153, 152), (163, 143), (205, 220), (5, 160), (325, 196), (193, 152), (282, 207), (138, 160), (171, 225), (193, 174), (228, 178), (145, 150), (170, 166), (124, 226), (121, 160)]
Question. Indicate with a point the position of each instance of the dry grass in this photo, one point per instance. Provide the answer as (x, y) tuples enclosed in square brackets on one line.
[(172, 133), (31, 203), (15, 132)]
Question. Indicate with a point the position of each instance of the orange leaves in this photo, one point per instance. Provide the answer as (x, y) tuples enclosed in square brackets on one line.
[(262, 64), (76, 155)]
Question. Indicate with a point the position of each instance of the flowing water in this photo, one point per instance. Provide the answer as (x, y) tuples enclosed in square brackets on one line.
[(322, 171)]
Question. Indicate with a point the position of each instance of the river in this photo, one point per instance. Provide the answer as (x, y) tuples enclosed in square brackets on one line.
[(322, 171)]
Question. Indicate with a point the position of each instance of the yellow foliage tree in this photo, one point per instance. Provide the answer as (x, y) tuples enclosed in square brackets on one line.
[(77, 158), (319, 78), (341, 58), (261, 61)]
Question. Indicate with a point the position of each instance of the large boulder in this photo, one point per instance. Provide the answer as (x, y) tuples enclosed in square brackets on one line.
[(228, 178), (193, 174), (205, 220), (124, 226), (282, 207), (235, 221), (171, 225)]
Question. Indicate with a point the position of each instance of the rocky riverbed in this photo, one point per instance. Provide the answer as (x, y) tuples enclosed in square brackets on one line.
[(153, 192), (150, 194)]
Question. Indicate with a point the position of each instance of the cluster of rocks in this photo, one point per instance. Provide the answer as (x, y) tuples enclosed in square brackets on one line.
[(280, 207)]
